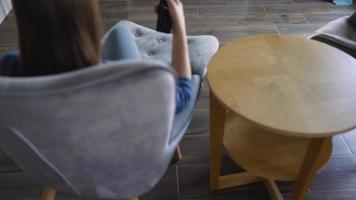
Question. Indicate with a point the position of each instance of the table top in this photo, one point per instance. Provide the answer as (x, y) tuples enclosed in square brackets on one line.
[(286, 84)]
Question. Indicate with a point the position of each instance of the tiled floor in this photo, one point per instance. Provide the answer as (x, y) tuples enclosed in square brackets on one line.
[(226, 19)]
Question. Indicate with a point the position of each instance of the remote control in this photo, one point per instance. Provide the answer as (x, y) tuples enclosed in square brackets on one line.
[(164, 23)]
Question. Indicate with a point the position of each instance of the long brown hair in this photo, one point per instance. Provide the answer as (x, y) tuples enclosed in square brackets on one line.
[(57, 36)]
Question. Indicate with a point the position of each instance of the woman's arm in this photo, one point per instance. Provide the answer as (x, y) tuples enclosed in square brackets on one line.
[(180, 52)]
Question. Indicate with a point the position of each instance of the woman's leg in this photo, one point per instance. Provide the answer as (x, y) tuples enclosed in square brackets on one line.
[(120, 44)]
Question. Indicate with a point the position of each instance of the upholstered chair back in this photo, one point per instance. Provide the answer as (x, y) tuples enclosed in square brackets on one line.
[(100, 132)]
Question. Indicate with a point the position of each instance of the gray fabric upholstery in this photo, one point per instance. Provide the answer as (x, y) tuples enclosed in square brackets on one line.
[(158, 46), (338, 33), (99, 132)]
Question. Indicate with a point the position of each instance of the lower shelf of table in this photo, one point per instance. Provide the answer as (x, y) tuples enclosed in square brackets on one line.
[(267, 154)]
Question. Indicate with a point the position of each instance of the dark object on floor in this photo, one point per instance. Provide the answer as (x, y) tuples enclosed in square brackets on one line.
[(340, 33)]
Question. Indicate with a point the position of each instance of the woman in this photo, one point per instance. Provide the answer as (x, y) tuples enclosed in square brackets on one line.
[(57, 36)]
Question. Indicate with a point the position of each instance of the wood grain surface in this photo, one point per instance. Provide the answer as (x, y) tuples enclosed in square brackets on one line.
[(287, 84)]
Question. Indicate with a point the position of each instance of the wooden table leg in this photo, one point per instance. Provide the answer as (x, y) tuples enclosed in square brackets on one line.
[(273, 189), (217, 124), (238, 179), (309, 167)]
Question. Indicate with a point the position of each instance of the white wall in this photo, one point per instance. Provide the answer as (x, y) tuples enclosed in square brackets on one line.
[(5, 8)]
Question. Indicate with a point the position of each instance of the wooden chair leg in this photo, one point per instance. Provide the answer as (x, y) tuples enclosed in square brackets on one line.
[(177, 154), (49, 193)]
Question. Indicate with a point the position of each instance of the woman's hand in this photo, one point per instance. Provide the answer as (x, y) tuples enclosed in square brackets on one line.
[(176, 12)]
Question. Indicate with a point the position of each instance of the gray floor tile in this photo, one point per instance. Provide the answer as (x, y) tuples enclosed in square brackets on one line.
[(350, 139), (332, 195), (298, 30), (272, 19), (167, 187), (298, 8), (231, 10), (339, 174), (322, 18), (340, 148), (194, 184)]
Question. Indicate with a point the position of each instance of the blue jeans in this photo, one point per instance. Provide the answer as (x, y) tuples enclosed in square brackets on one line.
[(120, 44)]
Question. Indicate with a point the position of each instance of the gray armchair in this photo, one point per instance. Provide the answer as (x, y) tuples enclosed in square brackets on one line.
[(155, 45), (106, 132), (340, 33)]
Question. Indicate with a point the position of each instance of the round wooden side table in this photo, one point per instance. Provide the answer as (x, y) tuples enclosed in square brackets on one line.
[(275, 103)]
